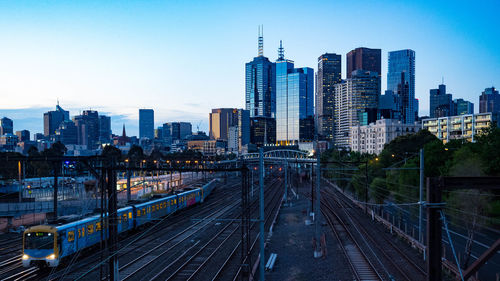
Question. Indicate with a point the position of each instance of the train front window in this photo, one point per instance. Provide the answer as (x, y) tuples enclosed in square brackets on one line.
[(39, 240)]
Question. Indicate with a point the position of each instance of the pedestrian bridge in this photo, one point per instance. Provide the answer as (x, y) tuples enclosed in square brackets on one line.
[(281, 155)]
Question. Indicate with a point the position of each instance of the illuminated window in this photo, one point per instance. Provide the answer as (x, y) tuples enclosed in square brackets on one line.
[(71, 236), (90, 229)]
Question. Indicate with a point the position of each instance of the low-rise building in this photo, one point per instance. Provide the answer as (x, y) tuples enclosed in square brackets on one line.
[(371, 138), (465, 126)]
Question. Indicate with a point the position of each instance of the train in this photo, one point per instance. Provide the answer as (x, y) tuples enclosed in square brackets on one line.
[(47, 245)]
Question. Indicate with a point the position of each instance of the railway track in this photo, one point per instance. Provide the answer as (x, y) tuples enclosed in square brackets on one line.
[(392, 255), (195, 254), (89, 267), (360, 264), (16, 270)]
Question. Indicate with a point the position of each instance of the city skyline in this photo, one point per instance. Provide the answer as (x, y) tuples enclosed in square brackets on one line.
[(112, 73)]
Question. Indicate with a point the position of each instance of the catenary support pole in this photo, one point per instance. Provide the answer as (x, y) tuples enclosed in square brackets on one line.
[(129, 188), (421, 198), (261, 207), (56, 188), (286, 181), (317, 251)]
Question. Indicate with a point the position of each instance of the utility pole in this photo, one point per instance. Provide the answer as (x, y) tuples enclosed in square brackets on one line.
[(366, 185), (317, 252), (129, 188), (286, 181), (261, 207), (56, 167), (421, 198), (312, 192), (113, 219)]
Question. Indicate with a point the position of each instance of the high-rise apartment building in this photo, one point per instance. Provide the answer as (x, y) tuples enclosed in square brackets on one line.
[(489, 101), (441, 103), (6, 126), (260, 93), (401, 80), (329, 74), (356, 103), (294, 102), (146, 123), (219, 122), (463, 107), (364, 59), (52, 120), (465, 127)]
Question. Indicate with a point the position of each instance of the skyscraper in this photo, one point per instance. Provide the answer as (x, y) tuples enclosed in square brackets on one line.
[(463, 107), (401, 77), (52, 120), (23, 135), (185, 130), (329, 74), (294, 102), (440, 103), (146, 123), (489, 101), (260, 93), (67, 133), (356, 103), (219, 122), (87, 126), (104, 129), (6, 126), (364, 59)]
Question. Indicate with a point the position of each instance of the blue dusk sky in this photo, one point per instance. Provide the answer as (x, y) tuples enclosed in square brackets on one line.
[(183, 58)]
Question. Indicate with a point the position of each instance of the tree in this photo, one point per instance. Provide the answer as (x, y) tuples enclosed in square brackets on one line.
[(378, 190), (488, 146)]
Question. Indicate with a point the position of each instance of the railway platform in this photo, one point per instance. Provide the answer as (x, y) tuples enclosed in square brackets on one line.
[(292, 242)]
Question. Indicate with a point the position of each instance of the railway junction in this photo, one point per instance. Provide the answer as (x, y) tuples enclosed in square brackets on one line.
[(260, 222)]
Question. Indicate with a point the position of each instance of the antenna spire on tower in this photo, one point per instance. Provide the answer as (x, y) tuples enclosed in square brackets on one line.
[(261, 40), (281, 52)]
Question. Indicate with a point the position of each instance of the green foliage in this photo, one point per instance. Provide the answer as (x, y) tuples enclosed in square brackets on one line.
[(488, 146), (378, 190)]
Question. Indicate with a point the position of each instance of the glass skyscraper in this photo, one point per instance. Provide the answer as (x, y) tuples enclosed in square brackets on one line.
[(401, 77), (364, 59), (294, 102), (146, 123), (260, 94), (329, 74)]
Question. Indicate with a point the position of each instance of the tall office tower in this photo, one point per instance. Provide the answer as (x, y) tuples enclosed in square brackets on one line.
[(364, 59), (401, 75), (23, 135), (356, 103), (388, 106), (67, 133), (167, 133), (219, 122), (243, 128), (87, 126), (329, 74), (159, 133), (52, 120), (262, 131), (104, 129), (463, 107), (260, 80), (294, 102), (146, 123), (489, 101), (185, 130), (441, 103), (6, 126)]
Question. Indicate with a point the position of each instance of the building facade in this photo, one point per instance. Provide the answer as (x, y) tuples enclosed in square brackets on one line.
[(463, 107), (87, 125), (356, 103), (219, 122), (364, 59), (294, 102), (440, 103), (401, 80), (104, 129), (489, 101), (329, 74), (262, 131), (6, 126), (146, 123), (52, 120), (23, 135), (460, 127), (373, 137)]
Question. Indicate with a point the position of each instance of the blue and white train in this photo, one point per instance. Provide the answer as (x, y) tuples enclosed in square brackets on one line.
[(47, 245)]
